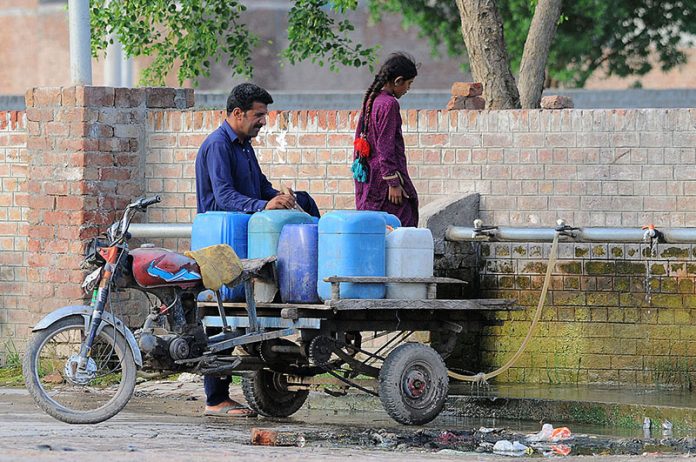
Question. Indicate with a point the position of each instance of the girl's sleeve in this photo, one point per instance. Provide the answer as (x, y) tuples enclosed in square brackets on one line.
[(388, 121)]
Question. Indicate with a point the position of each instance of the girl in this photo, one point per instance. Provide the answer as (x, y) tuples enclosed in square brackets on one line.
[(380, 172)]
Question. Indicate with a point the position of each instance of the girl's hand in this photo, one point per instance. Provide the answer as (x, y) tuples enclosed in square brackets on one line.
[(396, 194)]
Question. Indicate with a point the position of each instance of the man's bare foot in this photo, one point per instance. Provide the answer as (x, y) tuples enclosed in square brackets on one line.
[(229, 408)]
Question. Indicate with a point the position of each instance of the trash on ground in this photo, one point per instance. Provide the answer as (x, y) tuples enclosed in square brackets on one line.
[(560, 449), (485, 430), (515, 448), (548, 433), (647, 423), (666, 428), (187, 377), (268, 437)]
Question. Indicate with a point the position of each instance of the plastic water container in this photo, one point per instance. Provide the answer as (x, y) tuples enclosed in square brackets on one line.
[(351, 243), (297, 263), (409, 254), (229, 228), (263, 236)]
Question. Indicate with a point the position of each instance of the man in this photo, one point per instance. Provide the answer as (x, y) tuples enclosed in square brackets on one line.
[(229, 178)]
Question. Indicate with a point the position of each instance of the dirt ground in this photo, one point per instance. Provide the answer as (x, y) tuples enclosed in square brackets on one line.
[(163, 422)]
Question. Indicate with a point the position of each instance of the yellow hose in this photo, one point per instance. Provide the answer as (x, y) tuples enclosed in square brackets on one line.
[(483, 377)]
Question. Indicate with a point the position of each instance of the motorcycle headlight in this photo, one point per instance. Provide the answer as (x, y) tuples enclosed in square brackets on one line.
[(92, 255)]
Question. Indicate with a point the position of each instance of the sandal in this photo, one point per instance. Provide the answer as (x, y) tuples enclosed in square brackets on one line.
[(225, 412)]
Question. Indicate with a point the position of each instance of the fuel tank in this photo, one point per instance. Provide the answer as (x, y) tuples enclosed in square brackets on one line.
[(155, 267)]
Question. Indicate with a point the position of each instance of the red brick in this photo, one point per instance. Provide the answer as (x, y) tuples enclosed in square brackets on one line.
[(160, 97), (39, 115), (467, 89), (29, 98), (340, 141), (68, 96), (47, 96), (428, 140), (57, 129), (70, 292), (114, 173), (129, 190), (312, 140), (129, 97), (76, 114), (38, 143), (94, 96), (556, 102), (55, 188), (70, 203)]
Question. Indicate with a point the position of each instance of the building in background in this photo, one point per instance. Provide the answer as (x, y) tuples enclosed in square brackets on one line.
[(35, 52)]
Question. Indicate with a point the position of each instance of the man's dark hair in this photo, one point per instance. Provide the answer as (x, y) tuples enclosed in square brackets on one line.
[(245, 95)]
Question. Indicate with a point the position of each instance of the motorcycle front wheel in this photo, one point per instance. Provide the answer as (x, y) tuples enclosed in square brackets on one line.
[(68, 393)]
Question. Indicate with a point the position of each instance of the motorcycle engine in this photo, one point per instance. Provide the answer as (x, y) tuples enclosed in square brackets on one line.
[(162, 349)]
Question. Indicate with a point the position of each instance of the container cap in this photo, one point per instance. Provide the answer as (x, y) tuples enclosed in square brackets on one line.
[(352, 222)]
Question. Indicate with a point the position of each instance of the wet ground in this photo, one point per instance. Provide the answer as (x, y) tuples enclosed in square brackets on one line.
[(163, 421)]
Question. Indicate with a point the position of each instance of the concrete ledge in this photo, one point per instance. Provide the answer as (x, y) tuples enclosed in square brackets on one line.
[(566, 405)]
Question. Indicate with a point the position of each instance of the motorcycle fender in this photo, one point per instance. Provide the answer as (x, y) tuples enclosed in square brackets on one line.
[(86, 312)]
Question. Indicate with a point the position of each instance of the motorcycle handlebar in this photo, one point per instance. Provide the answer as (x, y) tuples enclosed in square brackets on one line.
[(150, 201), (144, 203)]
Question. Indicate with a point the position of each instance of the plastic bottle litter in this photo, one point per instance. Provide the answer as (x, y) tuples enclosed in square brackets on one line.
[(515, 448), (647, 424), (666, 428), (550, 434)]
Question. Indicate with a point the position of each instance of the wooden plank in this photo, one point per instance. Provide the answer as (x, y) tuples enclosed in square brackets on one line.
[(393, 304), (380, 279), (279, 306)]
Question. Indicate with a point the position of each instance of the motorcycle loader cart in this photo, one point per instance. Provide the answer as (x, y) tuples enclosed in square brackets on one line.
[(288, 349)]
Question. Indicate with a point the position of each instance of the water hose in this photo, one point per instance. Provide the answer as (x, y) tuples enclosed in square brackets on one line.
[(483, 377)]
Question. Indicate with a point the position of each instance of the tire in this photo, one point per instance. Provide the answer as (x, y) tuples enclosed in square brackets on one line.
[(413, 384), (111, 351), (266, 393)]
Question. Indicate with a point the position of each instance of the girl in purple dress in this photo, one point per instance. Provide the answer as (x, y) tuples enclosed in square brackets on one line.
[(380, 172)]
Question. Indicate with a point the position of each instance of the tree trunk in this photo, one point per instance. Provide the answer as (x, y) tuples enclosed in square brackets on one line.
[(536, 51), (482, 29)]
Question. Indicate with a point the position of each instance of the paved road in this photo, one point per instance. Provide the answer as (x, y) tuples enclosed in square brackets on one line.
[(164, 423)]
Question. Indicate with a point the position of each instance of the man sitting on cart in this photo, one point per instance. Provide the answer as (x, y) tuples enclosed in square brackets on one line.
[(229, 178)]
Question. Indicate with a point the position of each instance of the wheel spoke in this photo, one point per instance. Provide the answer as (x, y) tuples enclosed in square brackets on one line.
[(73, 394)]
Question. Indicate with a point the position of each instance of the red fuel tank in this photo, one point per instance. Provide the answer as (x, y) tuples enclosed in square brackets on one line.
[(155, 266)]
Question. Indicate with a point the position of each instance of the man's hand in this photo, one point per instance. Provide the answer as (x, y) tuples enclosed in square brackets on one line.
[(396, 194), (281, 201)]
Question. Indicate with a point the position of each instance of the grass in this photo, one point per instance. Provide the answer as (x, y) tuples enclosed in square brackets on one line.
[(11, 372)]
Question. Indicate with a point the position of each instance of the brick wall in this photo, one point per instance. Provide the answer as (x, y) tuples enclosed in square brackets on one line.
[(592, 168), (614, 314), (621, 313), (13, 223)]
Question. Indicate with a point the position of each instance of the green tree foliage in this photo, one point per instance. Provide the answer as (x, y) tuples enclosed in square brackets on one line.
[(623, 36), (191, 33)]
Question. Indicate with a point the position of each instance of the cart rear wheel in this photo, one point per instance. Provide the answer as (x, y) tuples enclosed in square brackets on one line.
[(413, 384), (266, 392)]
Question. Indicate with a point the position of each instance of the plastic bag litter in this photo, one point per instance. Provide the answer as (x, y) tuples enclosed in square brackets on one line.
[(515, 448), (550, 434)]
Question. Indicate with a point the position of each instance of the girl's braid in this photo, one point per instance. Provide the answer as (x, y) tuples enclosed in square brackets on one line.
[(370, 95)]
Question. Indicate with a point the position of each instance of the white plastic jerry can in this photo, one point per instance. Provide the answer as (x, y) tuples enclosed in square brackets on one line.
[(409, 253)]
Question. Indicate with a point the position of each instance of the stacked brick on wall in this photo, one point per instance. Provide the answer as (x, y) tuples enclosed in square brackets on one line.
[(14, 318), (86, 149)]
